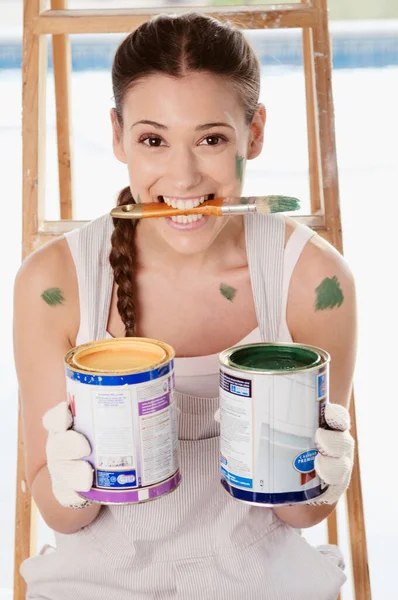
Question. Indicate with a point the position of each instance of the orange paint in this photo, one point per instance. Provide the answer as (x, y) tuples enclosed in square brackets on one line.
[(121, 355)]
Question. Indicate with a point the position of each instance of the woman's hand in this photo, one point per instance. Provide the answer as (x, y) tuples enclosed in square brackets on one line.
[(65, 449), (335, 458)]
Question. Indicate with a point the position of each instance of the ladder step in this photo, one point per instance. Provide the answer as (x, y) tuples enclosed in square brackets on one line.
[(120, 21)]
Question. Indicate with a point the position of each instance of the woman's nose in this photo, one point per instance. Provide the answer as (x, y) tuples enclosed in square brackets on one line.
[(183, 169)]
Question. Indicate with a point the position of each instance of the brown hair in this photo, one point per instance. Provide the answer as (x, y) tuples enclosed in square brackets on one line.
[(174, 46)]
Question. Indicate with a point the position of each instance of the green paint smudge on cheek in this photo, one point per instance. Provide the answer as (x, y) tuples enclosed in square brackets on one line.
[(139, 199), (239, 165), (328, 294), (53, 296), (228, 292)]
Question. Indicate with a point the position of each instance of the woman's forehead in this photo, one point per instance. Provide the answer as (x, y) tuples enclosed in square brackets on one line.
[(198, 97)]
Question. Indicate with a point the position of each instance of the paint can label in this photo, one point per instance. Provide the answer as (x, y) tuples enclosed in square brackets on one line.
[(131, 429)]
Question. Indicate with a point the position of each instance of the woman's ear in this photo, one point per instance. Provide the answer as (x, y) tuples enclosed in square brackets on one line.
[(256, 136), (117, 137)]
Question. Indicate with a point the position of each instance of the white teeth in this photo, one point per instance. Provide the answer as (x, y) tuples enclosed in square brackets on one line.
[(186, 218), (183, 204), (180, 204)]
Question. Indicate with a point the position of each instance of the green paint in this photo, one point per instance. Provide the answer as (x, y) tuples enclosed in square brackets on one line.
[(267, 357), (138, 199), (282, 203), (273, 204), (328, 294), (228, 292), (239, 167), (53, 296)]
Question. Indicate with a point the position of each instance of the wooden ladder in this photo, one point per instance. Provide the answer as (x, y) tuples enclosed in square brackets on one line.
[(311, 17)]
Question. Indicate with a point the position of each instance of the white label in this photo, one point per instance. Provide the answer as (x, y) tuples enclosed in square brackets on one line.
[(113, 420), (236, 436), (132, 430), (156, 411), (268, 425)]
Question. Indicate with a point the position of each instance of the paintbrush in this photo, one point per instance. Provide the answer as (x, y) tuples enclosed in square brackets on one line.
[(217, 207)]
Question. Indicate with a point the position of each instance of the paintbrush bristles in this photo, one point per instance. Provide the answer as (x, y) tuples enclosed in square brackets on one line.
[(276, 204)]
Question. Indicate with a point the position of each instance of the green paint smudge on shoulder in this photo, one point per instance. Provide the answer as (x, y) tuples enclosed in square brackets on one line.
[(328, 294), (239, 166), (228, 292), (53, 296)]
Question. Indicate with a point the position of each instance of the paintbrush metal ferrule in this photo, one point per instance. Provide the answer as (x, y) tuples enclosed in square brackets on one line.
[(238, 209)]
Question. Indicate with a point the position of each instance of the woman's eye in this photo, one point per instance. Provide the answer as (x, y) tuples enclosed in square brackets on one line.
[(151, 140), (213, 140)]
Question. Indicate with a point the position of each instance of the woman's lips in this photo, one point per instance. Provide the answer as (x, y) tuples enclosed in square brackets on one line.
[(192, 225)]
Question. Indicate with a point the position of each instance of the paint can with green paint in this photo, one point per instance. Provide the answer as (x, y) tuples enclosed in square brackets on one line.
[(272, 401)]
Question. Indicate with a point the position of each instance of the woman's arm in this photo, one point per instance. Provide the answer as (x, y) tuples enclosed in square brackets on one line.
[(45, 301), (322, 312)]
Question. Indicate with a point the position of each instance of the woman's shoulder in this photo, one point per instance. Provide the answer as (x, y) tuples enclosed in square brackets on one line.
[(46, 263), (54, 259), (47, 280), (322, 291), (318, 255)]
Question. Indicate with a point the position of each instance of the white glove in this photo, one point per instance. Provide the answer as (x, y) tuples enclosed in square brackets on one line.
[(335, 458), (64, 448)]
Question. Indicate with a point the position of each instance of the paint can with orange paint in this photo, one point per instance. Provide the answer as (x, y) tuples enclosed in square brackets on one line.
[(121, 395), (272, 400)]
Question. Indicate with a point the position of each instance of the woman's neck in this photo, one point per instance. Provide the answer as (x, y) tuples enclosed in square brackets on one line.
[(227, 251)]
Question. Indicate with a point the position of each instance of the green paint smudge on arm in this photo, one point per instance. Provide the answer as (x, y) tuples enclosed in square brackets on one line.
[(239, 167), (228, 292), (53, 296), (328, 294)]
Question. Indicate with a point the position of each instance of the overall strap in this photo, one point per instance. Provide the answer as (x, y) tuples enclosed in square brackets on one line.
[(97, 280), (265, 239)]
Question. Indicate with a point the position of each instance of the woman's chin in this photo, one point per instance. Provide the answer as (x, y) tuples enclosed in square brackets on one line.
[(193, 237)]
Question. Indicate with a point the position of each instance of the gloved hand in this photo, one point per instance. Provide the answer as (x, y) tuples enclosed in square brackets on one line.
[(64, 450), (335, 458)]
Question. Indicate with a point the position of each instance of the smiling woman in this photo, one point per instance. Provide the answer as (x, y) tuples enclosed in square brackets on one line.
[(185, 158), (186, 121)]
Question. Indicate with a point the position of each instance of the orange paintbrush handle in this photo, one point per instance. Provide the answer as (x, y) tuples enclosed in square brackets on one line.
[(156, 209)]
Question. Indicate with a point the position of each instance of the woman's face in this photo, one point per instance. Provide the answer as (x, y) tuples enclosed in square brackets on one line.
[(183, 139)]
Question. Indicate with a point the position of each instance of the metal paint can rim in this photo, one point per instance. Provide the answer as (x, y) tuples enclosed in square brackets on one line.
[(225, 358), (74, 355)]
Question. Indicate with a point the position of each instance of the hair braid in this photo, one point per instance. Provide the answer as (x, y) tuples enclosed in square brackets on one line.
[(122, 261)]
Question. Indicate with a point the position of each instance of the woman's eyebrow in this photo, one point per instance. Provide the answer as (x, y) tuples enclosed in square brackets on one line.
[(209, 125), (198, 128), (148, 122)]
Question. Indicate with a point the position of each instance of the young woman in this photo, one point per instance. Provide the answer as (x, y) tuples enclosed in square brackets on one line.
[(186, 120)]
